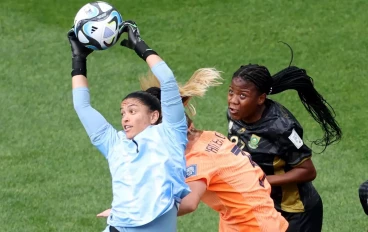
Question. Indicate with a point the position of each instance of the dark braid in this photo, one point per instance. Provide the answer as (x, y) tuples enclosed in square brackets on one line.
[(297, 79), (259, 75), (321, 111)]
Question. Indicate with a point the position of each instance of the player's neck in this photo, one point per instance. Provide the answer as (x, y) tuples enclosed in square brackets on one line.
[(256, 116), (194, 135)]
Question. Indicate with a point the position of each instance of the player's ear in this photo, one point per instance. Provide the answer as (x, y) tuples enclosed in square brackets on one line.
[(262, 98), (155, 115)]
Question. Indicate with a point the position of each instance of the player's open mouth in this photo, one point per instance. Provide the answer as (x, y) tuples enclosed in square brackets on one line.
[(233, 111), (127, 128)]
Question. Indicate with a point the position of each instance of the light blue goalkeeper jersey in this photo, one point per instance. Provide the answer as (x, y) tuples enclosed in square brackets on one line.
[(148, 172)]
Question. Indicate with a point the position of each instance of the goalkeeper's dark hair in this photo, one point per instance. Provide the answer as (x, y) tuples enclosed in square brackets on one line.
[(297, 79), (150, 98)]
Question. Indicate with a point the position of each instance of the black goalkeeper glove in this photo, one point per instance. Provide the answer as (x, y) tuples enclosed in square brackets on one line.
[(79, 55), (134, 40)]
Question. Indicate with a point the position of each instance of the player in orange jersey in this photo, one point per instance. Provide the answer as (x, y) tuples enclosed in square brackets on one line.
[(226, 179), (219, 173)]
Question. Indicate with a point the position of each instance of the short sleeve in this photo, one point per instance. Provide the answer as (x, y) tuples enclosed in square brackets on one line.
[(200, 167), (292, 147)]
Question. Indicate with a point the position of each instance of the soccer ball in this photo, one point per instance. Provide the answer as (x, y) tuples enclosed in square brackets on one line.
[(96, 25)]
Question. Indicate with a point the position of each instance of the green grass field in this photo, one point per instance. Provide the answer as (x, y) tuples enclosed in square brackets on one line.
[(52, 179)]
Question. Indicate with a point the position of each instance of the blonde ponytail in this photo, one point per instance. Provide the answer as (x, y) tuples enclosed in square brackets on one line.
[(196, 86)]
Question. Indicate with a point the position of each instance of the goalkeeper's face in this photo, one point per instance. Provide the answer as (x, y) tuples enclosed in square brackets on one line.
[(136, 117)]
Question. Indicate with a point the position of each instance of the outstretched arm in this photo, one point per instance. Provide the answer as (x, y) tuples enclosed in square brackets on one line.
[(190, 202), (172, 106), (94, 123), (104, 214), (171, 103), (304, 172), (296, 155), (79, 81)]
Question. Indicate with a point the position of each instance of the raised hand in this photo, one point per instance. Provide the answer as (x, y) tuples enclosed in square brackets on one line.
[(134, 41), (79, 55), (104, 214), (78, 49)]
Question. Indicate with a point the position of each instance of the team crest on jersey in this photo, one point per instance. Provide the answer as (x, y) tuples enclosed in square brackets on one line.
[(191, 170), (253, 142)]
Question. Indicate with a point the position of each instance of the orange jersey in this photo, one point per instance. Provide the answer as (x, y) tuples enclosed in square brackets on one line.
[(236, 187)]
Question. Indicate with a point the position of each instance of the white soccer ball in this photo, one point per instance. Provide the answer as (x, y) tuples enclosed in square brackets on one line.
[(96, 25)]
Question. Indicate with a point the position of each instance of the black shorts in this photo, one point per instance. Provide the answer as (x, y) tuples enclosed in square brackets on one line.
[(308, 221)]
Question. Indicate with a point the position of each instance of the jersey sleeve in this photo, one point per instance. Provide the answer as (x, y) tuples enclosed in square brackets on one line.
[(291, 145), (171, 103), (101, 133), (200, 167)]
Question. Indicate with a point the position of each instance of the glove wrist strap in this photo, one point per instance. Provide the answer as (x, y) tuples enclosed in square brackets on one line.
[(143, 51), (148, 53), (79, 66)]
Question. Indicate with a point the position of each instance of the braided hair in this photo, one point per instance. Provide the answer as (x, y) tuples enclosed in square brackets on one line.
[(297, 79)]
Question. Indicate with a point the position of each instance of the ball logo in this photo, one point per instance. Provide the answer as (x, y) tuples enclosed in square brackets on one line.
[(93, 29)]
